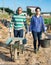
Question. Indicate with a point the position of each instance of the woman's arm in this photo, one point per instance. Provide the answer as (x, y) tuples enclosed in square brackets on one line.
[(43, 25)]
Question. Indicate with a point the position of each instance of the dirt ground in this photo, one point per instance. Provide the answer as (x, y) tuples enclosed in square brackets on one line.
[(43, 57)]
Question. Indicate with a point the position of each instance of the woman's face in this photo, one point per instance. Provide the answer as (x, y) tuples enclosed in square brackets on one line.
[(19, 10), (38, 11)]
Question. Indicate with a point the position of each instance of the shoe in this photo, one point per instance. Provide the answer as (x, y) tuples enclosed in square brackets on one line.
[(35, 51)]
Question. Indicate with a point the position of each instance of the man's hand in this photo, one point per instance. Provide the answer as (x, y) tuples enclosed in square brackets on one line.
[(10, 29), (29, 33)]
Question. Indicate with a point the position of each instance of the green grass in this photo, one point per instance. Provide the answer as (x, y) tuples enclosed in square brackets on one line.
[(4, 15)]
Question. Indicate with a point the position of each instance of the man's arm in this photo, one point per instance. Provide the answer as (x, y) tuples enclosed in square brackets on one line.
[(31, 23), (11, 25), (12, 22)]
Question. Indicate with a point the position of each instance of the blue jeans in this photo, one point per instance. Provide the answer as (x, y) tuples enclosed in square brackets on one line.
[(36, 35), (18, 33)]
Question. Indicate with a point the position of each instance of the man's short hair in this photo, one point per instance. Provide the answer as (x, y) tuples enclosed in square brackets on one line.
[(38, 8), (18, 9)]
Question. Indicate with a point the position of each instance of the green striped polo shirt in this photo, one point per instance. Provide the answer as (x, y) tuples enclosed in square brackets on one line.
[(18, 21)]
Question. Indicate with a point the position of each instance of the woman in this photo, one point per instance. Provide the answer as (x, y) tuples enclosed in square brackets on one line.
[(36, 27)]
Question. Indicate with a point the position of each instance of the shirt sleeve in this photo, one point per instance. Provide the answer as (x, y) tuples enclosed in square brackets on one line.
[(12, 19), (11, 23), (43, 25)]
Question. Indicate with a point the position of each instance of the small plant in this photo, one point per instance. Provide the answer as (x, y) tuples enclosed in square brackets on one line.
[(46, 21)]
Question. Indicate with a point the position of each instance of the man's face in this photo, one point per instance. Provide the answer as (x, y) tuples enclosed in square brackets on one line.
[(38, 12), (19, 11)]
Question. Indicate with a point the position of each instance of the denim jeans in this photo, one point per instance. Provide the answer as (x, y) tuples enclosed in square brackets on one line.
[(18, 33), (36, 35)]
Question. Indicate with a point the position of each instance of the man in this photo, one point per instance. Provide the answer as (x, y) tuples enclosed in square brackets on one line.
[(19, 20), (37, 27)]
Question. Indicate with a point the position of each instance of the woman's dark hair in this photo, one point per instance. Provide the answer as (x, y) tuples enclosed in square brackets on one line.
[(38, 8), (18, 9)]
